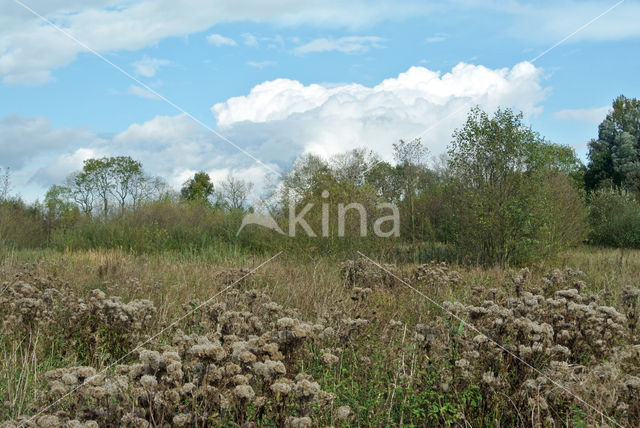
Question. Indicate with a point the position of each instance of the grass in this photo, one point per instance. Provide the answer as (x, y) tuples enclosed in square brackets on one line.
[(371, 386)]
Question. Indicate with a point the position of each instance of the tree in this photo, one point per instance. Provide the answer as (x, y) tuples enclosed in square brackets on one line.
[(124, 175), (234, 192), (5, 184), (303, 177), (59, 206), (352, 166), (382, 177), (197, 188), (82, 191), (96, 175), (614, 158), (411, 174), (502, 196), (146, 187)]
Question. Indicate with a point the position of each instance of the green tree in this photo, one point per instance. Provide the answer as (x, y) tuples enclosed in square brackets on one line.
[(411, 175), (82, 191), (197, 188), (96, 175), (125, 174), (302, 178), (5, 184), (614, 216), (59, 207), (502, 194), (614, 158)]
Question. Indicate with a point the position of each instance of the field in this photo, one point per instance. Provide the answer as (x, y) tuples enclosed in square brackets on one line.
[(316, 342)]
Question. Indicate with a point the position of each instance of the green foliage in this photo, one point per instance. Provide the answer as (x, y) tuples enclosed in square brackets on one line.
[(153, 227), (614, 158), (504, 191), (21, 226), (614, 217), (5, 184), (197, 188)]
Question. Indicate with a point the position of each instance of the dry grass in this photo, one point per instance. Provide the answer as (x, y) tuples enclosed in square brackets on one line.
[(379, 363)]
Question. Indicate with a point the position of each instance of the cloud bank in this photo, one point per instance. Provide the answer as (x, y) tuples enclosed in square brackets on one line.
[(326, 120), (279, 120)]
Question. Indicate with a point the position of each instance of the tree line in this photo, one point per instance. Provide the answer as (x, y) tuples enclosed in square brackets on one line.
[(501, 194)]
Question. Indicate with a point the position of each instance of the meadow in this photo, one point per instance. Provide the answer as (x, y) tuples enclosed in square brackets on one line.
[(316, 341), (503, 291)]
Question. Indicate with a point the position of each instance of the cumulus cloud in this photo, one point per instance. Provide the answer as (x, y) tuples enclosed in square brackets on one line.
[(148, 67), (288, 118), (280, 119), (593, 115), (349, 44), (219, 40)]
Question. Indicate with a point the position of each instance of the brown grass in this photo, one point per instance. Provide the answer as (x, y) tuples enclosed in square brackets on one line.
[(316, 289)]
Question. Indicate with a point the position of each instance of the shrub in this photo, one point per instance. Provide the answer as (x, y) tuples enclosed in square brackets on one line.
[(614, 217), (21, 226), (510, 200)]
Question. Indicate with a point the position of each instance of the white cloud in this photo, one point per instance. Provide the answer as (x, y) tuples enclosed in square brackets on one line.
[(219, 40), (148, 67), (24, 138), (261, 64), (551, 21), (280, 119), (349, 44), (141, 92), (175, 147), (289, 118), (60, 167), (250, 40), (436, 38), (30, 49), (593, 115)]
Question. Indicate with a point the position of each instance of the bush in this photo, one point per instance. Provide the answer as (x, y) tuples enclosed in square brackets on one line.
[(510, 200), (614, 217), (21, 226)]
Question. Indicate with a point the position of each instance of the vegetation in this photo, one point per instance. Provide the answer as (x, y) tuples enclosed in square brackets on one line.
[(125, 303), (298, 344), (503, 195), (511, 193), (614, 158)]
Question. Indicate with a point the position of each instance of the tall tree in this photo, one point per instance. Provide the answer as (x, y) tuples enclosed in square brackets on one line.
[(302, 177), (197, 188), (411, 171), (501, 201), (5, 184), (234, 192), (82, 191), (146, 187), (614, 158), (124, 175), (96, 174)]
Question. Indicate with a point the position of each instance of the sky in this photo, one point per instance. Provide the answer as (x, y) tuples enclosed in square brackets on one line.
[(244, 87)]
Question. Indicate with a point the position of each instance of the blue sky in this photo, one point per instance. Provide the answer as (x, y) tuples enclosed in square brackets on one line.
[(284, 78)]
